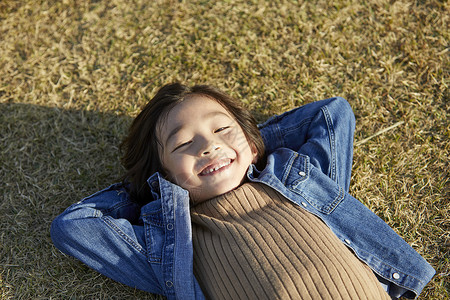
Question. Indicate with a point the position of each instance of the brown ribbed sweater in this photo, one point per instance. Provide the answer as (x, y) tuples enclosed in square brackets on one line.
[(252, 243)]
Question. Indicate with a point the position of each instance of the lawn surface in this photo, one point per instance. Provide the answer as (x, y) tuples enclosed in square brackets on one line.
[(73, 74)]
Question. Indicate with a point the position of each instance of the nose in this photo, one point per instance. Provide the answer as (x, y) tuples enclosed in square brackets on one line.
[(209, 149)]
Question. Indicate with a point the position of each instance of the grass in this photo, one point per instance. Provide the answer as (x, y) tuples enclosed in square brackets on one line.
[(73, 74)]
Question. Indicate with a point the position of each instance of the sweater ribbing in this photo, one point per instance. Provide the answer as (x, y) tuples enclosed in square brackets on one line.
[(252, 243)]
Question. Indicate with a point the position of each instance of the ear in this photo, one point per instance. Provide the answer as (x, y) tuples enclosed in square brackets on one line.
[(254, 153)]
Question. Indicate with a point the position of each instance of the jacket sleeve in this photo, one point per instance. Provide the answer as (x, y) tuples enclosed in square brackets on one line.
[(321, 130), (104, 232)]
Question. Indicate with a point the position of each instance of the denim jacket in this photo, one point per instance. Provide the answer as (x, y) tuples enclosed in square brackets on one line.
[(309, 158)]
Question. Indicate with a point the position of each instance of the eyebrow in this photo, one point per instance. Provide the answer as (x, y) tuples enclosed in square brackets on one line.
[(172, 133), (179, 127)]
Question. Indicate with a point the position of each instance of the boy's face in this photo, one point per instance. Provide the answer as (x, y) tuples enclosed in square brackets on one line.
[(204, 150)]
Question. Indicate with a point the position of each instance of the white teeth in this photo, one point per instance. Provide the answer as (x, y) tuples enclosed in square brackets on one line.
[(216, 168)]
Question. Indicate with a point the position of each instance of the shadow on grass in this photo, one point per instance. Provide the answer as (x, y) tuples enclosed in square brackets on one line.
[(49, 159)]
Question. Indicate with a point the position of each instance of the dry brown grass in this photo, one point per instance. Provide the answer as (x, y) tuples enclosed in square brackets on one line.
[(74, 73)]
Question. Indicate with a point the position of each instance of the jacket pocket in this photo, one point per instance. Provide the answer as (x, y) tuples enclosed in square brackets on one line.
[(319, 190), (154, 231)]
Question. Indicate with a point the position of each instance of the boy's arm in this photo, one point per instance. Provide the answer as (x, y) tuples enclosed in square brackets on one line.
[(322, 130), (103, 232)]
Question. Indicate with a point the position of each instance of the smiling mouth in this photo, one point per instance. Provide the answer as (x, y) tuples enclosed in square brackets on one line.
[(216, 167)]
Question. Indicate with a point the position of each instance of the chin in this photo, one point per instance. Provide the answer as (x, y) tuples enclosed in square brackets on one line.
[(219, 190), (226, 189)]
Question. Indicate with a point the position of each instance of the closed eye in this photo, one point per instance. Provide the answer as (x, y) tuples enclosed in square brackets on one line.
[(221, 129), (181, 146)]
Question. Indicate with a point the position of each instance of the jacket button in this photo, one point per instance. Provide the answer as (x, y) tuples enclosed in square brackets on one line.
[(347, 241), (169, 226), (169, 283), (396, 276), (301, 173), (304, 204)]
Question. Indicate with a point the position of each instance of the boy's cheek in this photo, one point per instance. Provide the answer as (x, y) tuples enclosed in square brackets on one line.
[(182, 179)]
